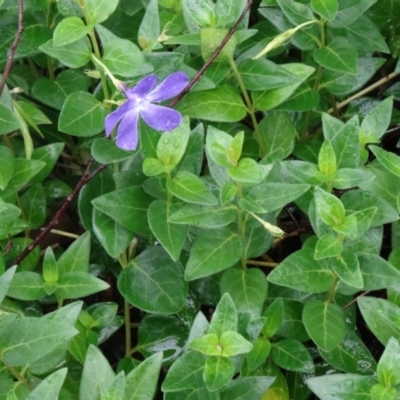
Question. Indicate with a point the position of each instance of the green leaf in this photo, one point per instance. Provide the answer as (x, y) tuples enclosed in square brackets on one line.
[(154, 283), (171, 236), (351, 355), (247, 171), (212, 252), (382, 317), (328, 245), (262, 74), (33, 204), (233, 343), (166, 333), (76, 257), (222, 104), (73, 285), (126, 206), (358, 200), (365, 35), (292, 355), (53, 93), (185, 373), (388, 372), (274, 195), (141, 383), (246, 388), (172, 145), (99, 10), (258, 354), (329, 208), (73, 55), (191, 189), (204, 216), (5, 281), (112, 236), (325, 8), (347, 178), (377, 272), (9, 122), (327, 159), (347, 267), (277, 135), (382, 392), (7, 166), (116, 390), (304, 98), (301, 272), (50, 270), (209, 345), (225, 316), (350, 11), (49, 388), (389, 160), (105, 151), (218, 371), (267, 100), (124, 58), (82, 115), (274, 316), (149, 29), (97, 375), (339, 55), (343, 84), (24, 171), (325, 323), (295, 12), (18, 348), (248, 289), (26, 285), (69, 30), (376, 122), (342, 386)]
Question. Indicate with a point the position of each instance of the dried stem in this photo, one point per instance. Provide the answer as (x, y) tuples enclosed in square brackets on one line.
[(14, 45), (213, 57), (86, 177)]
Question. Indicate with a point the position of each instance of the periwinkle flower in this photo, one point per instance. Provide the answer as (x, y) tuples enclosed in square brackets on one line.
[(140, 103)]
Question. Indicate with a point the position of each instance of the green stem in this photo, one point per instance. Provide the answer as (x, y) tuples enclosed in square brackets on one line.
[(96, 50), (332, 291), (128, 337), (250, 106), (19, 377)]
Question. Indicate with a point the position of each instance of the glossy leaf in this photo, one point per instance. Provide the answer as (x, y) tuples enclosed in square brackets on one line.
[(325, 8), (218, 372), (325, 323), (7, 169), (292, 355), (212, 252), (248, 289), (381, 316), (388, 373), (153, 282), (225, 317), (171, 236), (69, 30)]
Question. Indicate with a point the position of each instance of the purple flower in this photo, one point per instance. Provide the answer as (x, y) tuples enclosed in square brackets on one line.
[(140, 102)]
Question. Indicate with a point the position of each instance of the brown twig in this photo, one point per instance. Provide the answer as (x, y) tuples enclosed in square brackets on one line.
[(350, 303), (86, 177), (213, 57), (14, 45)]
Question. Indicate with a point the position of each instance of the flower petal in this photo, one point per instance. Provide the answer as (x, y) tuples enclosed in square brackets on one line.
[(142, 88), (161, 118), (170, 87), (127, 133), (113, 118)]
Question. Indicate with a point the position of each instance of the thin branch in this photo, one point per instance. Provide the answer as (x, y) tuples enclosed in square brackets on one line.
[(86, 177), (355, 299), (213, 57), (14, 45)]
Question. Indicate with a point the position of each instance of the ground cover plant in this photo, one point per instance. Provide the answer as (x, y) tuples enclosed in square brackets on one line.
[(199, 199)]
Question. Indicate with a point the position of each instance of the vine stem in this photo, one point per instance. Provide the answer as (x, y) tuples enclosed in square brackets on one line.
[(213, 57), (250, 106), (14, 45), (365, 91), (86, 177)]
